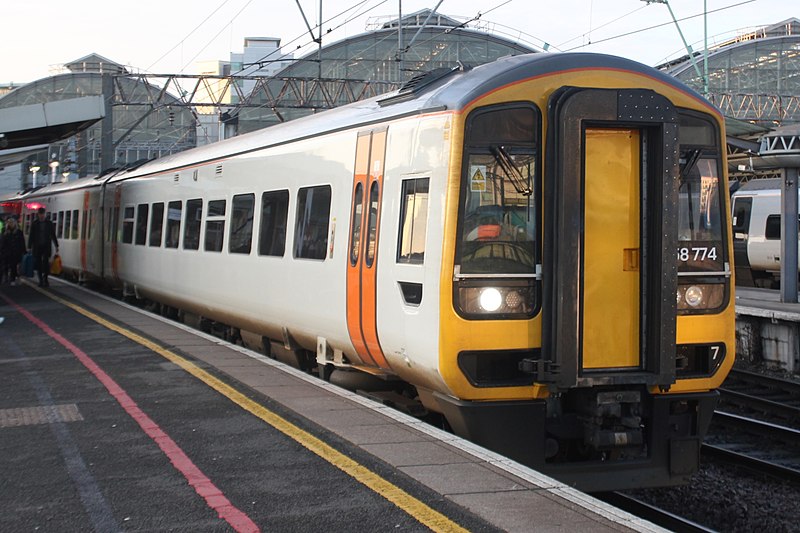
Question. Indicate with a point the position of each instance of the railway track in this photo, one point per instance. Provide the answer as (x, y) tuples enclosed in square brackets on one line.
[(756, 445), (771, 396), (654, 514)]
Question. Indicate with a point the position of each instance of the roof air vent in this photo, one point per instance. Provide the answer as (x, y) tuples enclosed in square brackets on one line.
[(419, 82)]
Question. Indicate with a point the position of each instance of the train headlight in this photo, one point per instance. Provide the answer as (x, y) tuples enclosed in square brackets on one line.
[(700, 296), (694, 295), (490, 299), (495, 299)]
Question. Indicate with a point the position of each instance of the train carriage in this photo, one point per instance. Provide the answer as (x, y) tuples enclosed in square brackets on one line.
[(536, 248)]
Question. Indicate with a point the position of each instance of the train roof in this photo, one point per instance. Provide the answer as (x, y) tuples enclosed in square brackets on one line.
[(451, 91), (760, 186)]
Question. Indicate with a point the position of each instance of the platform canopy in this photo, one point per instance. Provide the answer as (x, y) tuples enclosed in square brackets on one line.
[(43, 123)]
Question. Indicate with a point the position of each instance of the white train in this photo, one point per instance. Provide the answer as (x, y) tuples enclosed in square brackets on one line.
[(495, 244), (757, 232)]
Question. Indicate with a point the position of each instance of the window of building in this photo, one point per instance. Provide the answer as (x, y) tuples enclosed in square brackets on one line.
[(274, 220), (215, 226), (191, 227), (142, 211), (241, 237), (174, 210), (413, 221), (311, 225), (157, 224), (127, 224)]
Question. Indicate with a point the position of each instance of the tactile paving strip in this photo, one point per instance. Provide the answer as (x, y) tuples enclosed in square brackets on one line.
[(26, 416)]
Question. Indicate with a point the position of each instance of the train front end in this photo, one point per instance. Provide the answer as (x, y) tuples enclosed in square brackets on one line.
[(586, 290)]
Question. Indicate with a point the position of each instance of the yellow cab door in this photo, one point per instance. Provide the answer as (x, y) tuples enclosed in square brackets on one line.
[(611, 248), (609, 201)]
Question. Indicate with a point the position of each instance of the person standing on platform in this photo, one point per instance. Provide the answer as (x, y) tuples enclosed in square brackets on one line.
[(12, 248), (39, 241)]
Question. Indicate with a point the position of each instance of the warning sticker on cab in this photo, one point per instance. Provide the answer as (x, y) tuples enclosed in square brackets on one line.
[(477, 180)]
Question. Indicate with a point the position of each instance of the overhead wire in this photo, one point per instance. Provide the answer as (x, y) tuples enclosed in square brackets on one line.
[(626, 34), (583, 35), (217, 34), (302, 35), (187, 36)]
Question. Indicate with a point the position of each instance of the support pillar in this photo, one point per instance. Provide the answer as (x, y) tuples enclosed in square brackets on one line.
[(789, 234)]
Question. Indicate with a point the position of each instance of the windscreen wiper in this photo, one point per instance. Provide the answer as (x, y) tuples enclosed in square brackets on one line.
[(521, 185), (692, 157)]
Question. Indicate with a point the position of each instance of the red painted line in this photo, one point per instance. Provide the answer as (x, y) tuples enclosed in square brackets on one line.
[(201, 483)]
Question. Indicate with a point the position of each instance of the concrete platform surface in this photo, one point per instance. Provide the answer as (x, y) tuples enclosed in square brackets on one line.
[(111, 426)]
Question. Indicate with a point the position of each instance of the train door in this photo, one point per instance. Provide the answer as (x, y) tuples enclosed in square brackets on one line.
[(611, 238), (742, 208), (84, 232), (609, 270), (362, 265)]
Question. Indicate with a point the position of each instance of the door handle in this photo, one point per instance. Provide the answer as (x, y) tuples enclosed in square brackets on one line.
[(630, 259)]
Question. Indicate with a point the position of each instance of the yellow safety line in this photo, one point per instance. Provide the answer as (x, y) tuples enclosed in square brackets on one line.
[(405, 501)]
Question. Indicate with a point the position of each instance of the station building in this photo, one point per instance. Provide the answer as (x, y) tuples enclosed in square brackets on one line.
[(754, 79), (429, 40), (139, 132)]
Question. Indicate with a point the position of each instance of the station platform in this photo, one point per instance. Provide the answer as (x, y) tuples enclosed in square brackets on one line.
[(767, 330), (112, 419)]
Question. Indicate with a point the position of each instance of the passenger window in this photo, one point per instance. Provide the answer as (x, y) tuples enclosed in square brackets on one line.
[(75, 224), (773, 230), (157, 224), (67, 221), (372, 224), (191, 228), (142, 211), (274, 219), (90, 224), (60, 228), (108, 225), (127, 224), (413, 221), (355, 237), (311, 224), (215, 226), (241, 236), (115, 224), (84, 224), (173, 224)]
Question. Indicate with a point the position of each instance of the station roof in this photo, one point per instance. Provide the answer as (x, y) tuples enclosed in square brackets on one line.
[(28, 127)]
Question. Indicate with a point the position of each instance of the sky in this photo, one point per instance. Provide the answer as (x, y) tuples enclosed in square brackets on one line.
[(158, 36)]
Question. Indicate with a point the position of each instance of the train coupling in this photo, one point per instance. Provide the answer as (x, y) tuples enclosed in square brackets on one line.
[(542, 369), (612, 419)]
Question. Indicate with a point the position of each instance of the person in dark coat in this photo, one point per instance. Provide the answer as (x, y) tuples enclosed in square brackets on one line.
[(39, 241), (12, 248)]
